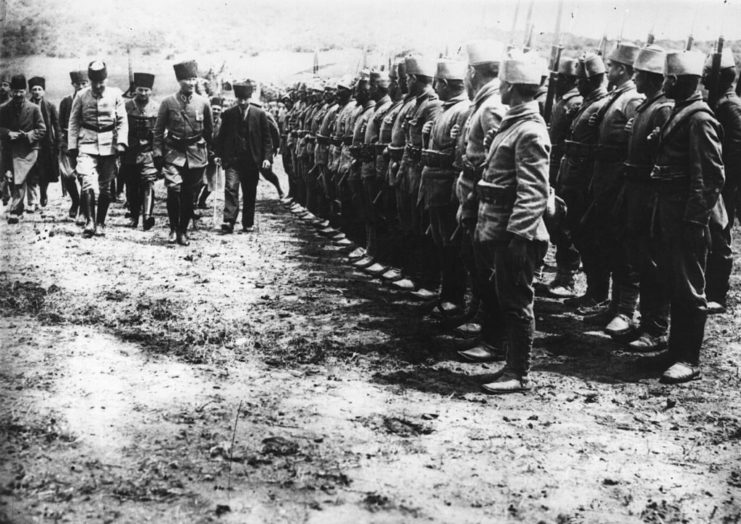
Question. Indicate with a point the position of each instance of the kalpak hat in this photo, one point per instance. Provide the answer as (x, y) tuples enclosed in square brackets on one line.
[(97, 71), (186, 70)]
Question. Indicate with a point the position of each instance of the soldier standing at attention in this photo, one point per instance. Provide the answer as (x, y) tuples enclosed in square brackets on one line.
[(687, 178), (607, 185), (564, 110), (138, 163), (510, 231), (486, 113), (183, 154), (69, 175), (98, 132), (639, 246), (438, 177), (46, 169), (21, 129), (728, 112)]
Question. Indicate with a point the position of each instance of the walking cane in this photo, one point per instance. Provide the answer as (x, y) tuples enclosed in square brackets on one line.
[(217, 186)]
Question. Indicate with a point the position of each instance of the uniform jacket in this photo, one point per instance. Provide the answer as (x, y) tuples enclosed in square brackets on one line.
[(258, 138), (65, 108), (372, 136), (189, 125), (564, 111), (20, 155), (358, 136), (141, 129), (513, 190), (336, 133), (728, 112), (688, 174), (321, 152), (97, 124)]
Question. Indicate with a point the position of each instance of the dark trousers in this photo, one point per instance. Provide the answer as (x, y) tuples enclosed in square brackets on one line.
[(515, 297), (181, 183), (246, 175), (453, 274)]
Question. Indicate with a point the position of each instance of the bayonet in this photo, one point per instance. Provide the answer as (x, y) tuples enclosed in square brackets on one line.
[(555, 60)]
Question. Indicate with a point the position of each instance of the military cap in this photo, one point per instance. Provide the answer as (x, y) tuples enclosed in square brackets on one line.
[(36, 81), (217, 101), (394, 70), (650, 59), (591, 65), (419, 65), (484, 52), (242, 89), (684, 63), (624, 53), (522, 68), (381, 78), (97, 71), (18, 82), (345, 82), (316, 85), (186, 70), (401, 68), (78, 77), (568, 66), (450, 70), (726, 60), (144, 80)]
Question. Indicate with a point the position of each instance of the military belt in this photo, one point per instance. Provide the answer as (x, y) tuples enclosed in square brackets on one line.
[(323, 140), (378, 149), (182, 143), (335, 141), (578, 149), (432, 158), (294, 134), (98, 129), (503, 196), (414, 153), (669, 175), (346, 140), (309, 138), (637, 173), (395, 152), (605, 153)]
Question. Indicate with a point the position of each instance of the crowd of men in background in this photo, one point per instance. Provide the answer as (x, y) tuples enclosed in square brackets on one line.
[(627, 171)]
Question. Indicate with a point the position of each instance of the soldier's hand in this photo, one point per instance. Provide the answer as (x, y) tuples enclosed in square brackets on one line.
[(266, 164), (489, 138), (629, 126), (159, 163), (455, 131), (696, 237), (517, 252), (427, 128), (13, 135), (72, 153), (593, 120), (120, 149)]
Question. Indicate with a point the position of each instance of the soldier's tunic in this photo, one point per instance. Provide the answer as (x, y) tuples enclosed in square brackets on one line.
[(573, 182), (398, 160), (513, 194), (138, 162), (383, 157), (67, 168), (720, 259), (336, 140), (322, 159), (564, 111), (687, 178), (649, 117), (97, 125), (426, 109), (18, 156), (607, 185), (357, 150), (436, 191), (184, 150), (346, 159), (314, 122)]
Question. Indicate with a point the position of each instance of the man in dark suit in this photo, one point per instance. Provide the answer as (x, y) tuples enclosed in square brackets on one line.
[(21, 129), (46, 169), (245, 146)]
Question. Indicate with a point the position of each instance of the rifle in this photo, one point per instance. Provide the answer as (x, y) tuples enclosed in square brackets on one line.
[(714, 84), (602, 50), (130, 91), (527, 44), (511, 44), (556, 50)]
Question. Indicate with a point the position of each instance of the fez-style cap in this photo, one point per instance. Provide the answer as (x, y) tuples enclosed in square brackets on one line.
[(144, 80), (36, 81), (317, 85), (381, 78), (450, 70), (345, 82), (242, 89), (591, 65), (97, 71), (568, 66), (186, 70), (726, 59), (651, 60), (684, 63), (522, 68), (18, 82), (624, 53), (78, 77), (419, 65), (484, 52), (217, 101)]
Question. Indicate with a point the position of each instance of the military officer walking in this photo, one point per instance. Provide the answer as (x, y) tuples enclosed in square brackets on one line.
[(182, 154)]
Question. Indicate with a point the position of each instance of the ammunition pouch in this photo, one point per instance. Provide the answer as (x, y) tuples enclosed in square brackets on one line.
[(498, 196), (395, 152), (414, 153), (432, 158)]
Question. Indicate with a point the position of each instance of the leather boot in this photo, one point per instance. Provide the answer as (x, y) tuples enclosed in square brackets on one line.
[(148, 208), (173, 209), (89, 210), (182, 238), (71, 186), (103, 203)]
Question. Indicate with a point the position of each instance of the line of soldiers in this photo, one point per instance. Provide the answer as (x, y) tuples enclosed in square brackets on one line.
[(633, 181), (99, 137)]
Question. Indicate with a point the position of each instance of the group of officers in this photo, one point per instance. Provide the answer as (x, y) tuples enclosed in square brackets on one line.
[(99, 140), (634, 179)]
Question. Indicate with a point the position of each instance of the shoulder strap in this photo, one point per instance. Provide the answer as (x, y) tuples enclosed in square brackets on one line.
[(680, 116)]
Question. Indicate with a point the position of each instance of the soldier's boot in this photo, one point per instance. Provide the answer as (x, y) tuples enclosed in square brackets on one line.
[(44, 196), (685, 341), (71, 187), (148, 221), (103, 203), (89, 230), (513, 377), (563, 284), (82, 211), (173, 212), (371, 240)]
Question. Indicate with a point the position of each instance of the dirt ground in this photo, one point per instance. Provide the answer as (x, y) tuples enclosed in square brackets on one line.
[(260, 378)]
